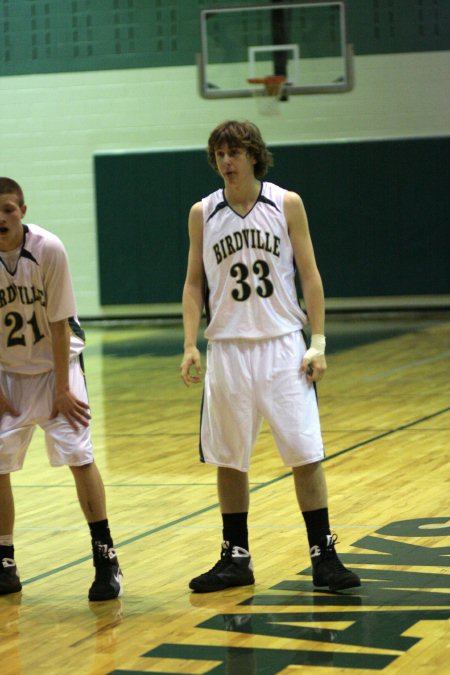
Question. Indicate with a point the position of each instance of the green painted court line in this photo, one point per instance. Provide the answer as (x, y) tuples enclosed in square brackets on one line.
[(123, 485), (182, 519), (389, 433), (137, 537), (407, 366)]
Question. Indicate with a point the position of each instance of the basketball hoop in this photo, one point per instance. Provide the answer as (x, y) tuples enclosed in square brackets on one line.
[(268, 96)]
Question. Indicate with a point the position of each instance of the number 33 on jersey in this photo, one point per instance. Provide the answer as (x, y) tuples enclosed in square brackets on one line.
[(249, 267)]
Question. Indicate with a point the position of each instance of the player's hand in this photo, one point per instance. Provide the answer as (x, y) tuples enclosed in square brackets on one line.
[(191, 359), (75, 411), (314, 369), (6, 408)]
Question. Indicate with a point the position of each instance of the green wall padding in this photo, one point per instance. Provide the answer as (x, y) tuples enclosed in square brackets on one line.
[(378, 211), (49, 36)]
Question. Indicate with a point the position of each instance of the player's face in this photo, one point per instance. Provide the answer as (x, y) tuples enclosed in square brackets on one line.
[(234, 163), (11, 214)]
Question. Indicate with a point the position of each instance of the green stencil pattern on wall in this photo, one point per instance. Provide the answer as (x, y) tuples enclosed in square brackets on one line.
[(44, 36)]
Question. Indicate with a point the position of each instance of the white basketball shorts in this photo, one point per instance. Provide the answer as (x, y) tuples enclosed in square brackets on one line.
[(32, 396), (247, 381)]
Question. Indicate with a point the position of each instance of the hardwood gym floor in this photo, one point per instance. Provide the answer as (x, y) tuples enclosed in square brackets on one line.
[(385, 414)]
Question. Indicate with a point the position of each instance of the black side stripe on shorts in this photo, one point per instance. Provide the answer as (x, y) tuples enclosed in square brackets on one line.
[(314, 383), (200, 449), (81, 361)]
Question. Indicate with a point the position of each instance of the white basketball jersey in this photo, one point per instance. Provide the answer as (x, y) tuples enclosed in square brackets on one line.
[(249, 267), (35, 289)]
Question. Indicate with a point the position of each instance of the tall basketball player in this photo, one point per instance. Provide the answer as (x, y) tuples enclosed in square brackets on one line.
[(246, 241), (42, 383)]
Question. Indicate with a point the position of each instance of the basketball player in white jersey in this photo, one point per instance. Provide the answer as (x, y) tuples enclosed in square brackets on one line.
[(42, 383), (246, 241)]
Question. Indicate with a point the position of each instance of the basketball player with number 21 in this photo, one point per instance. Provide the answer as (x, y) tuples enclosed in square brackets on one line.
[(42, 383), (246, 242)]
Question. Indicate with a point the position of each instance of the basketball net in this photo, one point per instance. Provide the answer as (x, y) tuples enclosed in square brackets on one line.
[(268, 96)]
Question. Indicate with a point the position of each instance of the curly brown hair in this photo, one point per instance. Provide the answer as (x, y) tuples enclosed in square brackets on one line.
[(241, 135), (9, 186)]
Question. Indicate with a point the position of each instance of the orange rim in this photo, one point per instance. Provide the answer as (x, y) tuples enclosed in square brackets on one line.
[(270, 79)]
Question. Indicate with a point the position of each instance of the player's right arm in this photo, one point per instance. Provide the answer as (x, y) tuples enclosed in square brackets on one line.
[(193, 298)]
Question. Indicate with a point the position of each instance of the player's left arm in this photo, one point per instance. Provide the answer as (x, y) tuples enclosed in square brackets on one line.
[(61, 305), (314, 364), (65, 403)]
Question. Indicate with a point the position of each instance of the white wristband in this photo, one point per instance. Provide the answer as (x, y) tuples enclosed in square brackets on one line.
[(317, 348)]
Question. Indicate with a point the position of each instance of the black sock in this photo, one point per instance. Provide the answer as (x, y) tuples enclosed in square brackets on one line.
[(235, 529), (100, 532), (6, 552), (317, 525)]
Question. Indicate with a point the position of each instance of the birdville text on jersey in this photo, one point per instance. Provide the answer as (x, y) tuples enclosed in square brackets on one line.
[(248, 238), (26, 295)]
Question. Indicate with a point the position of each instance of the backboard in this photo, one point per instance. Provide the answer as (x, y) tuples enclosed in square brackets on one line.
[(304, 41)]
